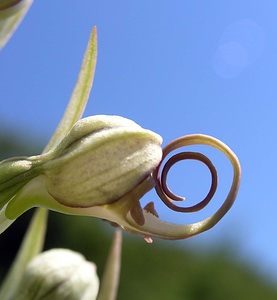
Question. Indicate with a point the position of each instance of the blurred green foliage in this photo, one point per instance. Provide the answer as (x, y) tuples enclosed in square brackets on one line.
[(160, 270)]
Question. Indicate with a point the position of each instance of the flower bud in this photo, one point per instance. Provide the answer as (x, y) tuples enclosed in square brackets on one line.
[(101, 160), (59, 274)]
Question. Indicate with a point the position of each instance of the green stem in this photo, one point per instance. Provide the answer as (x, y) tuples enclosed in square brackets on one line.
[(110, 279)]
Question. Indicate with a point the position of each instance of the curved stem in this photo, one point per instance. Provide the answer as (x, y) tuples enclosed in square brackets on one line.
[(110, 279)]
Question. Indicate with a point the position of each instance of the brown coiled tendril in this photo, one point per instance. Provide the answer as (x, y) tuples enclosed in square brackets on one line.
[(167, 196), (160, 176)]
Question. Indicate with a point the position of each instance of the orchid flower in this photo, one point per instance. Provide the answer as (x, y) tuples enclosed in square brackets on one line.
[(101, 166)]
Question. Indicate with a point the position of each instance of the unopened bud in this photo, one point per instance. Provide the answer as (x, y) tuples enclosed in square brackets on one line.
[(59, 274)]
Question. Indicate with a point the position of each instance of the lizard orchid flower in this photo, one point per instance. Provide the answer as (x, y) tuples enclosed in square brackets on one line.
[(102, 168)]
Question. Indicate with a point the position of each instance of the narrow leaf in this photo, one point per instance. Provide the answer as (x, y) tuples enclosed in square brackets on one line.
[(80, 95)]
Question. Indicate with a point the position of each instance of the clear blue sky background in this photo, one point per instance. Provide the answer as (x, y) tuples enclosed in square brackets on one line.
[(176, 67)]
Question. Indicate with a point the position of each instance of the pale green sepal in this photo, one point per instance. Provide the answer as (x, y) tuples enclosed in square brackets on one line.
[(90, 125), (103, 166), (30, 247)]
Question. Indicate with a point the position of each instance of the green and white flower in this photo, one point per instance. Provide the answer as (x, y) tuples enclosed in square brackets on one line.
[(101, 166), (94, 169)]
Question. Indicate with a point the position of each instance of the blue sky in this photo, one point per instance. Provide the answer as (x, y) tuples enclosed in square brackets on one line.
[(175, 67)]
